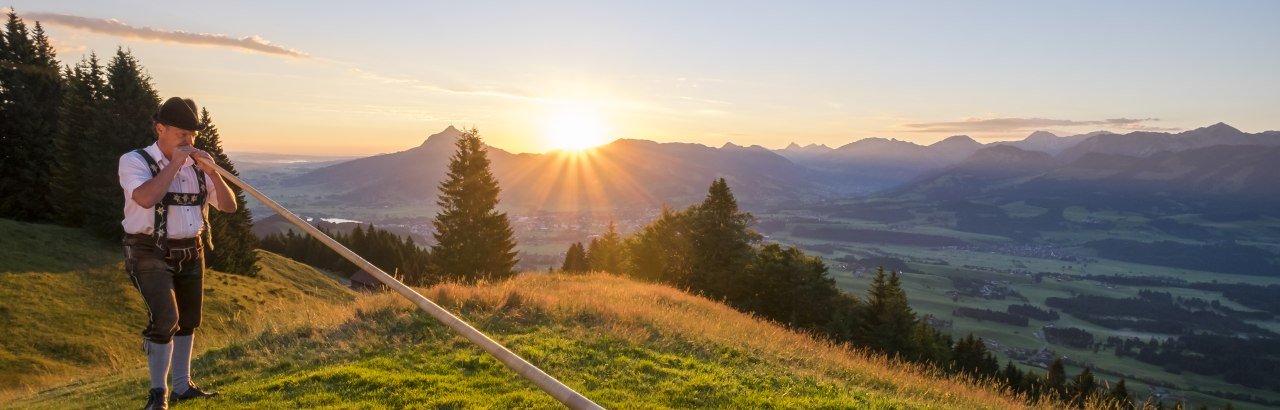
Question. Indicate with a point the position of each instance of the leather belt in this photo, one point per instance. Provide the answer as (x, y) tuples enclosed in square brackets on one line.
[(170, 243)]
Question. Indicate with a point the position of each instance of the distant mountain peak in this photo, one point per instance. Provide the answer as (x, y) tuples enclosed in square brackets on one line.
[(447, 136), (1221, 127), (957, 140), (812, 148), (1094, 134), (730, 145), (1041, 135)]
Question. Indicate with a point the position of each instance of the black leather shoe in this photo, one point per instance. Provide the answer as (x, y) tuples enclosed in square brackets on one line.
[(156, 399), (193, 392)]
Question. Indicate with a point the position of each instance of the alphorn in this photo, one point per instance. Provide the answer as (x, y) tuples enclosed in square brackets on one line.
[(544, 381)]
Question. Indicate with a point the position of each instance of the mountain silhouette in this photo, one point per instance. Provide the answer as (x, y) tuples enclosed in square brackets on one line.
[(625, 173)]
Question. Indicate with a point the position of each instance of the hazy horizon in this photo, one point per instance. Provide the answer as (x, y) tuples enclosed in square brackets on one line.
[(288, 77)]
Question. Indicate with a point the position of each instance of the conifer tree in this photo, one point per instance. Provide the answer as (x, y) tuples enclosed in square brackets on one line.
[(605, 253), (32, 97), (575, 260), (1056, 379), (971, 356), (1120, 395), (128, 106), (928, 345), (233, 238), (1012, 376), (722, 241), (1083, 387), (888, 319), (662, 251), (473, 240), (787, 286), (847, 313), (81, 118)]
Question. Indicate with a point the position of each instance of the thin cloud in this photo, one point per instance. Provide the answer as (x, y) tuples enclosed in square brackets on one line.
[(994, 125), (507, 92), (113, 27)]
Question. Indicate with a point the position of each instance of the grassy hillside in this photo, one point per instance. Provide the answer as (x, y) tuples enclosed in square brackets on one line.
[(69, 310), (622, 343)]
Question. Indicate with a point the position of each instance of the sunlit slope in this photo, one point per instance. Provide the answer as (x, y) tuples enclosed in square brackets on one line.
[(68, 310), (622, 343)]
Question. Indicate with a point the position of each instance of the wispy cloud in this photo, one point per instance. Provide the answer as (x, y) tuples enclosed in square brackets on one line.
[(997, 125), (113, 27)]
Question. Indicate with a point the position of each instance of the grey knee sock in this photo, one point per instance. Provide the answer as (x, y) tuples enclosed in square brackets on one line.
[(181, 362), (158, 361)]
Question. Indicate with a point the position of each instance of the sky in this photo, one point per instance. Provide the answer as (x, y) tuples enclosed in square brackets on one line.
[(359, 78)]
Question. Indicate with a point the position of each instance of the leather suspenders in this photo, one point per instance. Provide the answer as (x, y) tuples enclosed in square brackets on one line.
[(159, 229)]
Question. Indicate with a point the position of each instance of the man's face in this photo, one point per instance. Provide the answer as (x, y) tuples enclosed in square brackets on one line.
[(170, 136)]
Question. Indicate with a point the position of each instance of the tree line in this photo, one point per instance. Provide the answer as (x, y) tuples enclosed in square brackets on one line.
[(710, 249), (1247, 361), (1151, 311), (384, 249), (63, 129)]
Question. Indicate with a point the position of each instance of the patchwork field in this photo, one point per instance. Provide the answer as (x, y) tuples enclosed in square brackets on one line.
[(1055, 263)]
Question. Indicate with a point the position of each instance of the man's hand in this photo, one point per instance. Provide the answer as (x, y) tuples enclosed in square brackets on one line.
[(197, 155), (226, 201)]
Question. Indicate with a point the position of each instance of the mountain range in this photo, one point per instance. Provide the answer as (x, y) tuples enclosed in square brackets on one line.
[(626, 173), (629, 173)]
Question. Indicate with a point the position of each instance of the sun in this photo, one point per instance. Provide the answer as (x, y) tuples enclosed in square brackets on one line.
[(575, 129)]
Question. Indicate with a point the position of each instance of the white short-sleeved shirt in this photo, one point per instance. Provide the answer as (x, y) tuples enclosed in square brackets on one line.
[(184, 221)]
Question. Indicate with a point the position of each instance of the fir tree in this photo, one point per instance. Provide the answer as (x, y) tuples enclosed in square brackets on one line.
[(1012, 375), (605, 253), (1120, 395), (722, 242), (786, 286), (888, 318), (847, 314), (129, 103), (473, 240), (233, 238), (662, 251), (575, 260), (1083, 387), (931, 346), (1056, 379), (32, 97), (81, 120)]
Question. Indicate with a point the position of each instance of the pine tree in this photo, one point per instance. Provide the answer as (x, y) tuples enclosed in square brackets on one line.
[(81, 116), (847, 314), (888, 319), (662, 251), (575, 260), (1012, 375), (930, 345), (606, 253), (473, 240), (233, 238), (1083, 387), (129, 103), (722, 242), (1056, 379), (32, 88), (786, 286), (1120, 395)]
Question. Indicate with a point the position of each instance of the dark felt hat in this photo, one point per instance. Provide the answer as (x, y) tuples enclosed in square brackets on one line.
[(179, 112)]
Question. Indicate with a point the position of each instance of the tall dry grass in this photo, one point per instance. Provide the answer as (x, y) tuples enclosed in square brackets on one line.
[(652, 313)]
